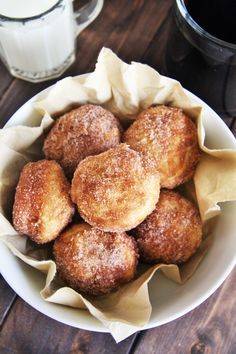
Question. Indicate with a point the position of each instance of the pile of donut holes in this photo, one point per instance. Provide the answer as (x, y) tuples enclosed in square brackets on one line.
[(121, 184)]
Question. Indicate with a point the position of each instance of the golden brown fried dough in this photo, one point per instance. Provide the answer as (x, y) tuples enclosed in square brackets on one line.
[(115, 190), (42, 206), (167, 135), (94, 261), (84, 131), (172, 233)]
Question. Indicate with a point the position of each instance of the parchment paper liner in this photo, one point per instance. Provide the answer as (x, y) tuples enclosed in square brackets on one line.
[(125, 90)]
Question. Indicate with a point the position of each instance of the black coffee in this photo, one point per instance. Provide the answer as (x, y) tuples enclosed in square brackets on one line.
[(202, 65), (217, 17)]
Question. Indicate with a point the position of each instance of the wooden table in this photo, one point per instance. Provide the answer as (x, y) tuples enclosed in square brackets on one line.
[(135, 30)]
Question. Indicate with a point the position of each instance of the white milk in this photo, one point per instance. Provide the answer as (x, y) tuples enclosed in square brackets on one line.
[(25, 8), (41, 47)]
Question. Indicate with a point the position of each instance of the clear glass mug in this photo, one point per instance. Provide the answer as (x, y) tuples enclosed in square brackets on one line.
[(203, 63), (42, 47)]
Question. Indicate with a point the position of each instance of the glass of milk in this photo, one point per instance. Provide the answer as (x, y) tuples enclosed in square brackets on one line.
[(37, 37)]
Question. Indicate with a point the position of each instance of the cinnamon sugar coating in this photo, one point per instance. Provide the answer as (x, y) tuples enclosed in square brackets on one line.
[(42, 206), (167, 135), (84, 131), (172, 233), (115, 190), (94, 261)]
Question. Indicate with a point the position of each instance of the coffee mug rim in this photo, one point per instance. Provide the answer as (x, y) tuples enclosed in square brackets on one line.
[(31, 18), (197, 28)]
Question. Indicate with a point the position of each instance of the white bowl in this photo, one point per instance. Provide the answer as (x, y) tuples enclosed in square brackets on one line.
[(170, 300)]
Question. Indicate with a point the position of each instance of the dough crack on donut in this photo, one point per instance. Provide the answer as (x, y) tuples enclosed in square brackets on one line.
[(169, 137), (117, 189)]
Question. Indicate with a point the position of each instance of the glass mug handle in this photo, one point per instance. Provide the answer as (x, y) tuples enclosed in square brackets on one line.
[(86, 14)]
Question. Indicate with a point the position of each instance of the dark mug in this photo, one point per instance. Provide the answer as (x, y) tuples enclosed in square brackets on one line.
[(204, 62)]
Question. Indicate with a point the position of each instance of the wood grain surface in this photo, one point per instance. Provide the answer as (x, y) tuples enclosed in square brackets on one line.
[(136, 30), (7, 297)]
